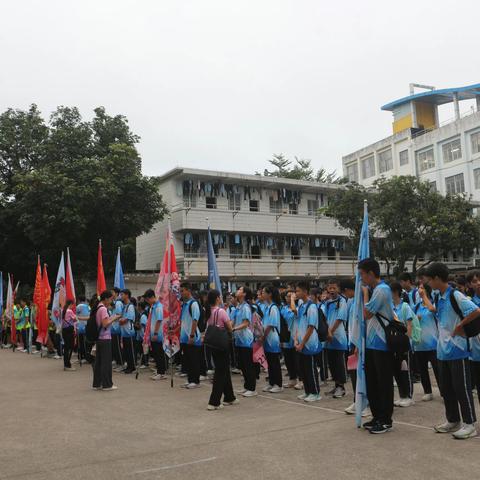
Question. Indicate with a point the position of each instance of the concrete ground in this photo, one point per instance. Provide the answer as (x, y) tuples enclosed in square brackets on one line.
[(53, 426)]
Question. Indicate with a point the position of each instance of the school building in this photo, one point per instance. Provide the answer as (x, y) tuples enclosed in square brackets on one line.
[(446, 154)]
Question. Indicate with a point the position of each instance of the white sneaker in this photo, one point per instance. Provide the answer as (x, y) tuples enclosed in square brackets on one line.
[(467, 431), (158, 376), (312, 398), (339, 392), (298, 386), (69, 369), (203, 378), (96, 388), (191, 386), (291, 384), (241, 391), (350, 410), (302, 396), (397, 402), (57, 357), (249, 393), (276, 389), (235, 402), (406, 402), (142, 367), (210, 372), (119, 369), (428, 397), (213, 407), (236, 370), (113, 387), (266, 388), (447, 427), (367, 412)]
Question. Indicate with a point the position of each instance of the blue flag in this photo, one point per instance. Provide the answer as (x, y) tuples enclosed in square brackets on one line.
[(213, 277), (359, 328), (119, 281)]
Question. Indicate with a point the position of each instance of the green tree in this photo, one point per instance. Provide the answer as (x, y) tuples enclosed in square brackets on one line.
[(70, 184)]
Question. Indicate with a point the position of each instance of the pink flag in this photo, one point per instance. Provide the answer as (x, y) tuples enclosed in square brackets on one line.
[(259, 355)]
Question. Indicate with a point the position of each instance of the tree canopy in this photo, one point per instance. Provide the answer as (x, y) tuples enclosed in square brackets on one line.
[(408, 220), (68, 182)]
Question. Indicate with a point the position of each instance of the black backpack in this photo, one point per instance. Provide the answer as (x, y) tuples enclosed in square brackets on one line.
[(322, 329), (284, 334), (92, 330), (201, 323)]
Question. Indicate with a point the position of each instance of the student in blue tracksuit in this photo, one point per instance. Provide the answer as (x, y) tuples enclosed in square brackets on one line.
[(288, 311), (117, 308), (474, 279), (83, 314), (271, 338), (140, 325), (453, 355), (127, 331), (155, 315)]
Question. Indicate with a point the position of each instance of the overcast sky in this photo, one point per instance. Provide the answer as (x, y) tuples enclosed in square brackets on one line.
[(224, 84)]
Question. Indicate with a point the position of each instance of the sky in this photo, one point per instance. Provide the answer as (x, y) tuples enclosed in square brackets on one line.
[(223, 84)]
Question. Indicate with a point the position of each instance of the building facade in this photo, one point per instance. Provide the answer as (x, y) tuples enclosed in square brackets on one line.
[(445, 154), (263, 228)]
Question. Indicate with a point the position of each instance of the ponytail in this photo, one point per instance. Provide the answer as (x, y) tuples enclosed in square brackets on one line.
[(95, 302), (212, 297)]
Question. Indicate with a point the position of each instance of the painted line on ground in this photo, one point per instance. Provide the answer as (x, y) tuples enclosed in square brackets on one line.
[(178, 465)]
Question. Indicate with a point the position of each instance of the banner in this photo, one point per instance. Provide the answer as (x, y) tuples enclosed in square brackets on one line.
[(42, 315), (9, 311), (69, 283), (119, 281), (101, 284), (59, 295), (213, 276)]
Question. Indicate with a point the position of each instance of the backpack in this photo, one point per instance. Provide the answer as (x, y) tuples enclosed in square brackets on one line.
[(256, 326), (416, 327), (285, 335), (201, 323), (92, 330), (322, 329)]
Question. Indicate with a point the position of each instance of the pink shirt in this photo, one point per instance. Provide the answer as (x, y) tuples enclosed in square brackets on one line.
[(218, 317), (69, 319), (102, 314)]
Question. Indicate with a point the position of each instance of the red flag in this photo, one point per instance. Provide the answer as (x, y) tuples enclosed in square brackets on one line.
[(101, 284), (42, 309), (37, 292), (69, 285), (46, 285)]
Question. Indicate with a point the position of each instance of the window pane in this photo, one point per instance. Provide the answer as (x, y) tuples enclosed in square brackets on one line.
[(385, 161), (452, 150), (352, 172), (403, 157), (425, 160), (476, 176), (455, 184), (368, 167), (475, 142), (313, 206)]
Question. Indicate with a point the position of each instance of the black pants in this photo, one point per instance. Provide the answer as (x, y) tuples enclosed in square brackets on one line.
[(308, 367), (222, 380), (159, 357), (117, 350), (379, 375), (245, 360), (456, 389), (203, 361), (402, 372), (128, 353), (336, 364), (322, 363), (207, 352), (82, 347), (274, 369), (139, 355), (102, 371), (191, 362), (291, 362), (68, 337), (475, 368), (422, 361)]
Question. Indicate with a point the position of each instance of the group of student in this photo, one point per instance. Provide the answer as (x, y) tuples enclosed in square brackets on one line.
[(309, 330)]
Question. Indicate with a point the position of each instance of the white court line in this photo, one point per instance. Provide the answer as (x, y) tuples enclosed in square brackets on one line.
[(178, 465), (421, 427)]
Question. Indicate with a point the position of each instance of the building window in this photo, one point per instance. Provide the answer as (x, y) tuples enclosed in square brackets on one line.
[(403, 157), (235, 244), (278, 251), (433, 186), (293, 208), (211, 202), (313, 206), (425, 160), (368, 167), (255, 251), (385, 161), (455, 184), (475, 138), (352, 172), (476, 178), (234, 202), (189, 201), (276, 206), (452, 150), (254, 206), (295, 252)]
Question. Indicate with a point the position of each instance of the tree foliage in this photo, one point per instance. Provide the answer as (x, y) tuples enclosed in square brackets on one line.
[(409, 221), (69, 182)]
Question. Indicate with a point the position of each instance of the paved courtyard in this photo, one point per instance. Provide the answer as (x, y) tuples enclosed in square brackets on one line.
[(55, 427)]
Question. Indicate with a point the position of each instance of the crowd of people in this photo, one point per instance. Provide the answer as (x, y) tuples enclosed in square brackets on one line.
[(306, 331)]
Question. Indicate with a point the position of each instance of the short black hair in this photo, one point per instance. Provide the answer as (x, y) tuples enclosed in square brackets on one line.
[(472, 274), (186, 286), (370, 265), (81, 298), (439, 270), (347, 284), (149, 293), (461, 280), (332, 281), (396, 287), (116, 290), (127, 292), (405, 277), (303, 286)]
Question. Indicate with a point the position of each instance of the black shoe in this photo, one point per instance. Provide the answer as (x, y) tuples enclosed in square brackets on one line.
[(380, 428), (369, 425)]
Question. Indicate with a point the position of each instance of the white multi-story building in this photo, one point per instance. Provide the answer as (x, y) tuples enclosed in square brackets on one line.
[(445, 154), (263, 228)]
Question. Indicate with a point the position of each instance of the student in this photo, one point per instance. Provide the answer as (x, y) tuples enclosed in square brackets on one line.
[(190, 339), (378, 303), (452, 353), (243, 337), (20, 321), (127, 332), (426, 349), (83, 314), (117, 309), (102, 372), (307, 343), (156, 334), (222, 381), (474, 279), (290, 355), (406, 282), (271, 339), (140, 325), (337, 344), (68, 334), (401, 361)]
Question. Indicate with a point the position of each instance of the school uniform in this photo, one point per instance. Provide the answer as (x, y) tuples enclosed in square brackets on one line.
[(68, 336), (290, 355), (191, 352), (378, 360), (127, 332), (139, 334), (271, 344), (83, 310), (115, 334), (157, 345), (475, 355), (453, 359), (402, 361), (244, 345)]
